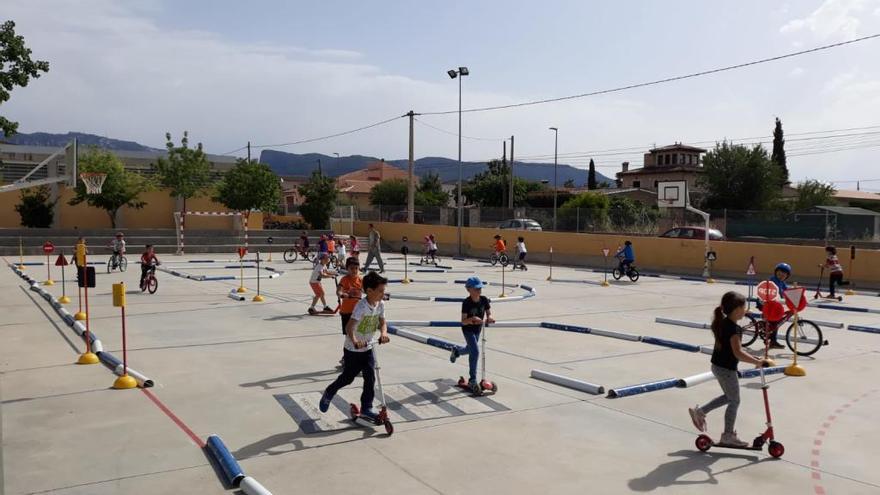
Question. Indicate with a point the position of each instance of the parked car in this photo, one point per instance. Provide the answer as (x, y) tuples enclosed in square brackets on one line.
[(697, 233), (402, 217), (520, 224)]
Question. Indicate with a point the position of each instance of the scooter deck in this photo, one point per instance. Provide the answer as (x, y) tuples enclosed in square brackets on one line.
[(737, 447)]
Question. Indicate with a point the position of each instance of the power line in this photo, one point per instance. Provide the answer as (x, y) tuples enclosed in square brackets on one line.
[(660, 81), (233, 151), (329, 136), (451, 133)]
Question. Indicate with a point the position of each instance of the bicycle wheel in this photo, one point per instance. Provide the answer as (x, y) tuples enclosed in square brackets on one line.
[(290, 255), (616, 273), (311, 254), (504, 259), (123, 263), (110, 264), (493, 259), (751, 330), (633, 274), (152, 284), (809, 337)]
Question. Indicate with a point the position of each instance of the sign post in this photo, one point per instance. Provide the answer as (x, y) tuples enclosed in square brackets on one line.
[(503, 285), (241, 252), (124, 381), (80, 260), (404, 250), (62, 262), (711, 256), (550, 277), (258, 297), (605, 252), (269, 241), (750, 272), (852, 260), (20, 255), (796, 302), (48, 249), (86, 279)]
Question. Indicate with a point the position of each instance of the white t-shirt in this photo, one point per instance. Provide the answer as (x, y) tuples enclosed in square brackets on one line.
[(367, 322), (340, 251), (118, 245), (432, 246), (521, 247), (316, 273)]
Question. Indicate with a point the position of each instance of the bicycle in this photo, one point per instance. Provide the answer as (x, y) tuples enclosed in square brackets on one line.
[(150, 283), (809, 335), (117, 261), (631, 271), (496, 258), (292, 254), (428, 260)]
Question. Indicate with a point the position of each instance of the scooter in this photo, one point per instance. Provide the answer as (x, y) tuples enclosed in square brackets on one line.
[(818, 294), (704, 442), (380, 419), (484, 385), (315, 312)]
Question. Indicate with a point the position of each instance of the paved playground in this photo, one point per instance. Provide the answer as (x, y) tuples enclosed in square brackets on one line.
[(251, 374)]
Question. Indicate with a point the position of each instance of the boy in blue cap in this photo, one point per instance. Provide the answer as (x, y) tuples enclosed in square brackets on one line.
[(475, 312)]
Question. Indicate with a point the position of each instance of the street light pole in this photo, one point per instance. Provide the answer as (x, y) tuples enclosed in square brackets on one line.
[(555, 176), (461, 72)]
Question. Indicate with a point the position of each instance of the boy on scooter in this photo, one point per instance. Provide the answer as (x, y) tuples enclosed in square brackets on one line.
[(835, 270), (367, 318), (475, 312)]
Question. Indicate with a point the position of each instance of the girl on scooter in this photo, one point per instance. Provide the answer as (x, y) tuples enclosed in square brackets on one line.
[(726, 356)]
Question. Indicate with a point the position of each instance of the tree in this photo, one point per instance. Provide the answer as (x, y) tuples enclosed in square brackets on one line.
[(739, 178), (626, 213), (185, 172), (391, 192), (430, 191), (319, 195), (569, 183), (778, 154), (121, 187), (591, 176), (16, 69), (584, 211), (35, 209), (812, 193), (488, 188), (249, 185)]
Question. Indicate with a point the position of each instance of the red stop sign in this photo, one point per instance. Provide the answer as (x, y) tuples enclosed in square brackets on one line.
[(767, 291), (241, 252), (48, 247)]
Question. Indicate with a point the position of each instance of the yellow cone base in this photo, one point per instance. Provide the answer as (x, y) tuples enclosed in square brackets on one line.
[(124, 382), (850, 292), (502, 295), (241, 290), (88, 358), (49, 282), (79, 316), (258, 298), (405, 281), (795, 370), (605, 283), (21, 267), (64, 300), (549, 279), (710, 280)]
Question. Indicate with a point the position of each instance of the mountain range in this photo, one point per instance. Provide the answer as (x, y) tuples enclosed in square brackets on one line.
[(291, 164)]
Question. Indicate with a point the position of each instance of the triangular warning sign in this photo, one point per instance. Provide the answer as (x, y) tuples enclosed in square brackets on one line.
[(61, 261), (794, 298), (751, 270), (605, 251)]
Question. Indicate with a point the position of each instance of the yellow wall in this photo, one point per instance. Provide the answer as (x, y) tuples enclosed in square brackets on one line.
[(652, 253), (157, 214)]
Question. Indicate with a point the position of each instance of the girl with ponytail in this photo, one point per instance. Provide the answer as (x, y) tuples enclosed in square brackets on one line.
[(727, 354)]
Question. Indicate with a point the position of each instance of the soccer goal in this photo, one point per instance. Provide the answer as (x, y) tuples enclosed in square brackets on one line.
[(180, 223), (342, 220)]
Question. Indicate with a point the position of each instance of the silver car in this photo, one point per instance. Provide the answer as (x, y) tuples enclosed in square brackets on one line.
[(520, 224)]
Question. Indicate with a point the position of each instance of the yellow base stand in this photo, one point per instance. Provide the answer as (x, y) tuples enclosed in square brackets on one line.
[(21, 267), (850, 292), (549, 279), (49, 282), (79, 316), (710, 280), (123, 382), (405, 281), (605, 283), (258, 298), (795, 370), (64, 300), (241, 290), (88, 358), (502, 295)]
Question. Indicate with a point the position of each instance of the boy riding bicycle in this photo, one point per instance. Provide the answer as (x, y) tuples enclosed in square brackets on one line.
[(627, 257), (148, 263), (118, 246)]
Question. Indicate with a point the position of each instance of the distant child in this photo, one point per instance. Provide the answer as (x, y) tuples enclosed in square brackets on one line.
[(781, 273), (367, 318), (304, 241), (432, 248), (148, 262), (118, 246), (727, 354), (835, 270), (475, 311), (499, 246), (353, 244), (349, 291), (318, 272), (627, 256), (322, 244), (521, 252), (340, 251), (331, 245)]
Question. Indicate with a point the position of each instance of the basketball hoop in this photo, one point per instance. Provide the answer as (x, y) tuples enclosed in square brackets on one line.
[(93, 181)]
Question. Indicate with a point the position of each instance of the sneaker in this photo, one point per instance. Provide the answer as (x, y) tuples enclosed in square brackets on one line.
[(324, 405), (776, 345), (731, 439), (370, 412), (327, 309), (698, 417), (313, 311)]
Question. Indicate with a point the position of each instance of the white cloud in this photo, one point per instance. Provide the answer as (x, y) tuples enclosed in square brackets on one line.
[(835, 19)]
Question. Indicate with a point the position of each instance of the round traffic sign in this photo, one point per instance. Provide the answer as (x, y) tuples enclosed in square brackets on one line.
[(48, 247), (767, 291)]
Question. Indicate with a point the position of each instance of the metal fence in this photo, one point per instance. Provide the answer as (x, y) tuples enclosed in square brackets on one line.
[(767, 225)]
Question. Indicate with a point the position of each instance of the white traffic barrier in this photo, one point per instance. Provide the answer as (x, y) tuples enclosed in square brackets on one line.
[(79, 327), (97, 346), (251, 486), (564, 381), (142, 380), (681, 323), (706, 349), (418, 337), (516, 324), (691, 381), (235, 295), (616, 335), (410, 298)]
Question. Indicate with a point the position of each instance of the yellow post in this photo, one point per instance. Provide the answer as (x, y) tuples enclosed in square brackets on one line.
[(550, 277), (852, 259), (794, 369), (258, 297), (80, 261), (502, 282), (87, 357), (124, 381), (605, 252), (241, 254)]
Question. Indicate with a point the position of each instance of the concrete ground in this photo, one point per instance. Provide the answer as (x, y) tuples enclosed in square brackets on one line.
[(246, 371)]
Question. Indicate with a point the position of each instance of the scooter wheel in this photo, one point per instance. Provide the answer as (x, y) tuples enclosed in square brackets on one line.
[(462, 382), (703, 443), (477, 390), (758, 442), (389, 428), (355, 412), (776, 449)]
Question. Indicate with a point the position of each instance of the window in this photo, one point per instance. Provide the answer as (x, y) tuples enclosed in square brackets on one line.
[(637, 183), (666, 159), (686, 233), (656, 183), (672, 233)]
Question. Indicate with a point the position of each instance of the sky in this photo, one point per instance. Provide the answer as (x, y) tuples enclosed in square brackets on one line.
[(274, 72)]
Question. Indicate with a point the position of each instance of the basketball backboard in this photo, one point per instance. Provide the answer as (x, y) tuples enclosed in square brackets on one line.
[(672, 194)]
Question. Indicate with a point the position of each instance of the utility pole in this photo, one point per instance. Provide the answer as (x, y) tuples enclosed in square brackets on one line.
[(249, 151), (503, 166), (320, 172), (510, 193), (411, 188)]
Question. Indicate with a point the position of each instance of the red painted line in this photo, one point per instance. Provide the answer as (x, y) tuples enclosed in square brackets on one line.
[(817, 442), (820, 490), (822, 432), (198, 441)]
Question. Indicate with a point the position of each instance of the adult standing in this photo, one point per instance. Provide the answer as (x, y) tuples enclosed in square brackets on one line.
[(373, 250)]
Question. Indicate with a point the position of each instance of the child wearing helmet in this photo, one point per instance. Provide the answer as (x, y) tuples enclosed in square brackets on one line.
[(626, 255), (781, 273), (431, 248)]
